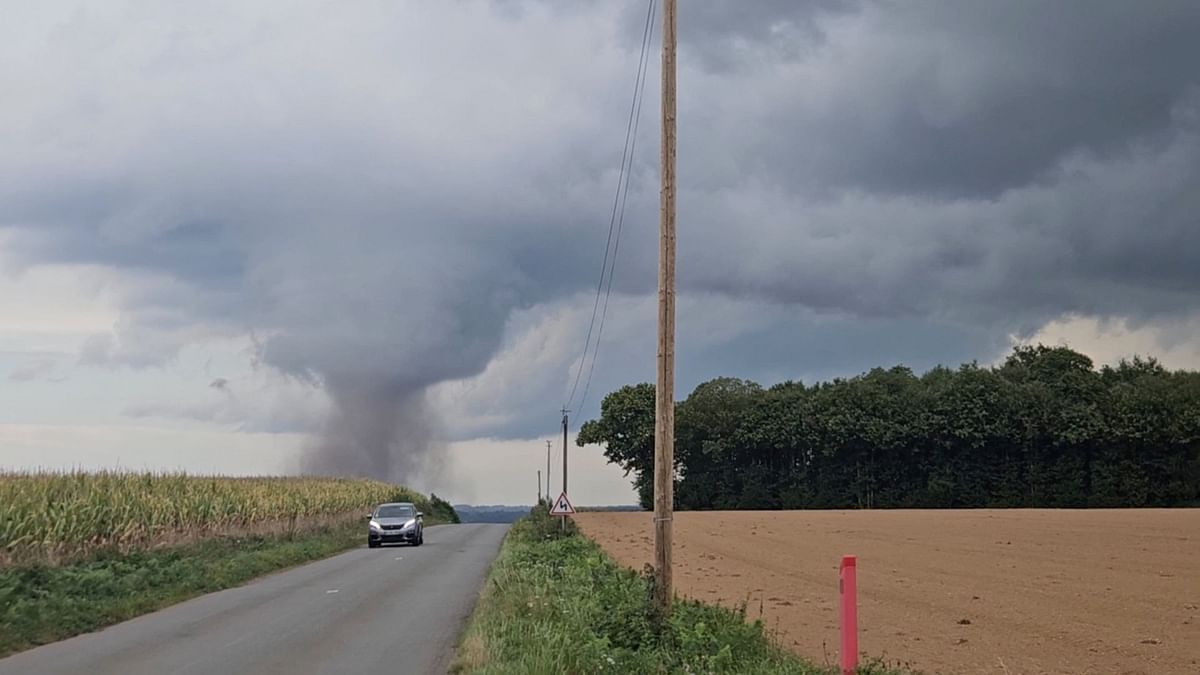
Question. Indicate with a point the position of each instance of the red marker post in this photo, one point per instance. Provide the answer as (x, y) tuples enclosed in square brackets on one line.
[(848, 587)]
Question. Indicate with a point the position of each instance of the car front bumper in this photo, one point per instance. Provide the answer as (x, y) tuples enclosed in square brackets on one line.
[(393, 536)]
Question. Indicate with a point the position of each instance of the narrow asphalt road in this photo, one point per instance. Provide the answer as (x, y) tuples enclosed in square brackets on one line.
[(396, 609)]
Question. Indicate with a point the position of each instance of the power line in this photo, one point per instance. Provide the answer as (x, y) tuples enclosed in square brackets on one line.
[(617, 216), (624, 198)]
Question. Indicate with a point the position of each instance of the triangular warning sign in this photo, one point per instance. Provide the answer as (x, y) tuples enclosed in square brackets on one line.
[(562, 506)]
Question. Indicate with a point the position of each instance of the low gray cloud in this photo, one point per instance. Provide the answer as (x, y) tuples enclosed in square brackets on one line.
[(718, 335), (372, 193), (260, 402), (34, 369)]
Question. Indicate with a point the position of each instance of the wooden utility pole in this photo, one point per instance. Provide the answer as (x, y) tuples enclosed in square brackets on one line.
[(564, 414), (548, 497), (664, 399), (539, 486)]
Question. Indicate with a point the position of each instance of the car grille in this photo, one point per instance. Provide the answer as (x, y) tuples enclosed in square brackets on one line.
[(393, 527)]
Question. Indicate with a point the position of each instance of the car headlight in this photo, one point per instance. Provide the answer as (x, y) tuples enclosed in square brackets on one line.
[(374, 526), (410, 524)]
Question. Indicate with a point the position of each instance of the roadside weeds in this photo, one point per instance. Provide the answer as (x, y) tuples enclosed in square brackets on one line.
[(554, 602)]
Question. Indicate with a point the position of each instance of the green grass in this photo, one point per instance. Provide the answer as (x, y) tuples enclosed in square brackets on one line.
[(555, 603), (43, 603)]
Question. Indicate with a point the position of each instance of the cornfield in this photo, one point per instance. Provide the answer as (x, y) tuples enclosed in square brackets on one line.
[(58, 517)]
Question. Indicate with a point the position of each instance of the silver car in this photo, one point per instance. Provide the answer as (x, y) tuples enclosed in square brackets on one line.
[(394, 523)]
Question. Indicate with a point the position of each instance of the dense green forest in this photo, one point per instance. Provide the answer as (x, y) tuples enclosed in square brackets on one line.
[(1045, 428)]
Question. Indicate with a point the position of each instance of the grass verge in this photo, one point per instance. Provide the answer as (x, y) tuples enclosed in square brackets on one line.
[(555, 603), (42, 603)]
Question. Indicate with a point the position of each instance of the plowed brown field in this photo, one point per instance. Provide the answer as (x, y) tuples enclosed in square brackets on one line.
[(1020, 591)]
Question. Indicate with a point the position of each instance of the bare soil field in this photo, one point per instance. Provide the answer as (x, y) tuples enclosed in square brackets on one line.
[(980, 591)]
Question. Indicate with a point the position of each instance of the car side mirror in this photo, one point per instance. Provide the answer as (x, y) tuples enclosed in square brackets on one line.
[(419, 514), (370, 516)]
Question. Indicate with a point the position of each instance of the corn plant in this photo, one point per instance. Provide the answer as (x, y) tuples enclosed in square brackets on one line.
[(52, 517)]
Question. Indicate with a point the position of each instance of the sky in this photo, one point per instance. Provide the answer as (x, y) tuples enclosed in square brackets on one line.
[(281, 237)]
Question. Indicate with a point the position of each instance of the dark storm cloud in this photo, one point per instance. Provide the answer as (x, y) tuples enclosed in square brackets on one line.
[(194, 252), (372, 193), (1104, 239), (728, 34), (1000, 163), (958, 99)]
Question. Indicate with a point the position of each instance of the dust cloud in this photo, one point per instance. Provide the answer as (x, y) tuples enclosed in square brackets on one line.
[(378, 429)]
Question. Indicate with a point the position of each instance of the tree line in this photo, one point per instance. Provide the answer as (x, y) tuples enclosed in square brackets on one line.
[(1044, 429)]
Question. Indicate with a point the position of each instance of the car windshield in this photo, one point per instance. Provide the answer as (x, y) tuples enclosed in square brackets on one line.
[(395, 511)]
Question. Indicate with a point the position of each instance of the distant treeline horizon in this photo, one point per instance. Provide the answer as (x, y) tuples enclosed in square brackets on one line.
[(1043, 429), (510, 513)]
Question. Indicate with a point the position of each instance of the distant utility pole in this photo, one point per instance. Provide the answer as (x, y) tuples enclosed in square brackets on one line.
[(664, 399), (539, 486), (564, 414), (548, 497)]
